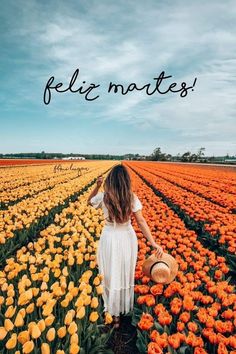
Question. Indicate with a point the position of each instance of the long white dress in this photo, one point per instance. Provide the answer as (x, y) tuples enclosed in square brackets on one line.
[(116, 258)]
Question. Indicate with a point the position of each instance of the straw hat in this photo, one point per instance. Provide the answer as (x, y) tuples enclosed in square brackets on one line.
[(160, 269)]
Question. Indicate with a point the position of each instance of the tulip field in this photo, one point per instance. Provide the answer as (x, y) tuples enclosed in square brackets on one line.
[(50, 287)]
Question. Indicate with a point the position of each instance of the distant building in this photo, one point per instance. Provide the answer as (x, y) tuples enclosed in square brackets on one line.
[(229, 160), (141, 158), (74, 158)]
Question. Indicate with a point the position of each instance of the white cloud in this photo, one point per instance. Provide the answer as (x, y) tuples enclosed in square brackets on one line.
[(133, 42)]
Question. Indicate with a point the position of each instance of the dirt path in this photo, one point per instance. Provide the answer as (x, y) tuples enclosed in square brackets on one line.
[(123, 339)]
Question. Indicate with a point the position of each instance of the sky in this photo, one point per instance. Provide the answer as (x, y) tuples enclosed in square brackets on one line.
[(121, 42)]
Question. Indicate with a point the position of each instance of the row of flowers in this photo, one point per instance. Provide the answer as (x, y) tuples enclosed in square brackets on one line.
[(22, 215), (197, 311), (222, 192), (50, 292), (206, 175), (28, 162), (15, 187), (216, 220)]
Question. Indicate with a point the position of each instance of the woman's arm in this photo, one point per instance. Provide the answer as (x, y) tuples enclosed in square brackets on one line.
[(146, 232), (95, 190)]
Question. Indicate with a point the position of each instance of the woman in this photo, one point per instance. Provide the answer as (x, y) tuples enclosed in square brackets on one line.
[(118, 245)]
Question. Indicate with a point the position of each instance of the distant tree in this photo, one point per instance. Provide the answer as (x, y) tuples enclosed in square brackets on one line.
[(168, 157), (42, 155), (193, 158), (186, 157), (200, 153), (157, 154), (211, 158)]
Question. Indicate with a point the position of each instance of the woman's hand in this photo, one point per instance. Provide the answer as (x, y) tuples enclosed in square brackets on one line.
[(99, 181), (159, 250)]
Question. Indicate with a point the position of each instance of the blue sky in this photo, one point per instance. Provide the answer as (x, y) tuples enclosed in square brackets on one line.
[(123, 42)]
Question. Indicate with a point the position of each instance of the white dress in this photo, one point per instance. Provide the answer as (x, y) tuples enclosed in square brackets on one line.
[(116, 258)]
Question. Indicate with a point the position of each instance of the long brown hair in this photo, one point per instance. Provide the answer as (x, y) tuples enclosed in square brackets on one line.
[(118, 195)]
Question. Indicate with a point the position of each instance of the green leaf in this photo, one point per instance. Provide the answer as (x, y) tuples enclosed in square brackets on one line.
[(141, 343), (171, 350), (82, 351), (182, 350), (158, 327), (166, 329)]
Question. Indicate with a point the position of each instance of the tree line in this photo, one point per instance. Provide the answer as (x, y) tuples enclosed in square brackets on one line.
[(156, 155)]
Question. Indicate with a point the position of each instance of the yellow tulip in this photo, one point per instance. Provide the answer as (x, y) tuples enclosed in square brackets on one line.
[(65, 303), (10, 312), (8, 325), (71, 285), (51, 334), (87, 300), (96, 281), (74, 348), (86, 256), (79, 302), (69, 296), (74, 338), (82, 286), (92, 264), (35, 291), (22, 311), (45, 348), (88, 273), (93, 316), (57, 273), (46, 278), (47, 310), (69, 317), (3, 333), (74, 292), (44, 286), (34, 277), (4, 286), (25, 297), (19, 321), (94, 303), (72, 328), (31, 324), (39, 302), (108, 318), (58, 292), (80, 259), (83, 294), (12, 341), (65, 271), (99, 289), (23, 337), (35, 331), (41, 325), (63, 285), (49, 320), (88, 289), (28, 347), (9, 301), (80, 313), (61, 332), (71, 261)]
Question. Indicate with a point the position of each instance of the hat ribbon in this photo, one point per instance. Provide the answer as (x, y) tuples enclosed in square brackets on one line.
[(156, 263)]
